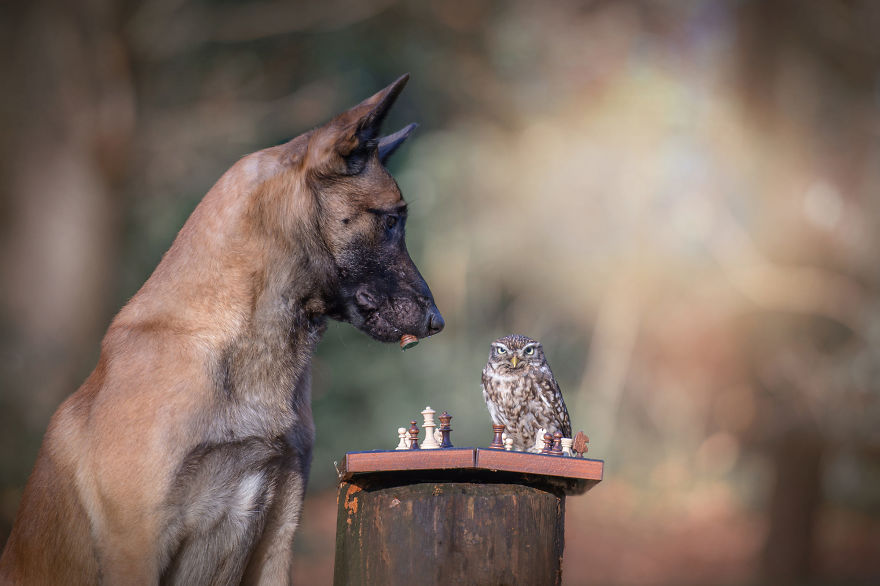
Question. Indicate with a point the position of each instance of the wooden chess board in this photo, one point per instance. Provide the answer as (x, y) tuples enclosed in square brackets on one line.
[(578, 474)]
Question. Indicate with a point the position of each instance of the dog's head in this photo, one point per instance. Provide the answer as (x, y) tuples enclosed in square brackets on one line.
[(361, 219)]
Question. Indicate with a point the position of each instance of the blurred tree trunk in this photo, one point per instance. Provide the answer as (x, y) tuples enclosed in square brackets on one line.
[(794, 504), (67, 118)]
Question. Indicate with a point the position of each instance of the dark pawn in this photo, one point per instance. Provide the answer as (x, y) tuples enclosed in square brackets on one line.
[(445, 430), (548, 444), (414, 436), (557, 443)]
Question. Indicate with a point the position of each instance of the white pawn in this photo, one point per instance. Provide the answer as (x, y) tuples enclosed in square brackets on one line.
[(539, 442), (404, 439), (438, 437), (430, 442), (566, 447), (508, 444)]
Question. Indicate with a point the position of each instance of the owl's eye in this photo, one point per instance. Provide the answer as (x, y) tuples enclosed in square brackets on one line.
[(390, 221), (502, 350), (530, 350)]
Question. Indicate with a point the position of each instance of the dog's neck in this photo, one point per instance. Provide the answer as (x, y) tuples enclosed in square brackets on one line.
[(261, 302), (248, 246)]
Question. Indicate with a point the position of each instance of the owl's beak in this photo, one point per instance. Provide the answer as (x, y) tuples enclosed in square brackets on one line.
[(513, 361)]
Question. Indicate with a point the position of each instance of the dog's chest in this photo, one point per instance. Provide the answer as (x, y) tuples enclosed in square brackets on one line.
[(218, 506), (256, 445), (263, 383)]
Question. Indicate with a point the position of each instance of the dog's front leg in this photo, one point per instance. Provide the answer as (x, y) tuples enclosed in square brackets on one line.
[(129, 565), (272, 559), (125, 530), (125, 543)]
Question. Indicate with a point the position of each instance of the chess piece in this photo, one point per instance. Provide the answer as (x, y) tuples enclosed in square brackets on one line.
[(497, 442), (430, 425), (508, 444), (548, 444), (579, 445), (566, 446), (413, 435), (445, 430), (539, 442), (557, 443), (408, 341), (404, 443)]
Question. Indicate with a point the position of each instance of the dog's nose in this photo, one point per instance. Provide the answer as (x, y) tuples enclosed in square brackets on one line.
[(365, 299), (435, 321)]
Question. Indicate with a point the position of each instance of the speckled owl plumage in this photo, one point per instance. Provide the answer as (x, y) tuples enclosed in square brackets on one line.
[(521, 392)]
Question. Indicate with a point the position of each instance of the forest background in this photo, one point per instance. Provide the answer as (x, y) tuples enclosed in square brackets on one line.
[(679, 199)]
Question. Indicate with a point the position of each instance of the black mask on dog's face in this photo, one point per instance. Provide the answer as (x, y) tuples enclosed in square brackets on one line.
[(379, 289), (383, 292)]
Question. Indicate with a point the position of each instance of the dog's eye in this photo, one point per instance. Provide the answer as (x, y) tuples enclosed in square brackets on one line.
[(390, 221)]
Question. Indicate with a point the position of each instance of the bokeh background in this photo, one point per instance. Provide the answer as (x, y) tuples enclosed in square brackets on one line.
[(680, 199)]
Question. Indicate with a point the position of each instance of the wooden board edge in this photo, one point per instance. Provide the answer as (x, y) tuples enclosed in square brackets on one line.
[(560, 466), (399, 461)]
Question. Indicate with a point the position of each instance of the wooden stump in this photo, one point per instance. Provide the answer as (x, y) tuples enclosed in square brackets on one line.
[(448, 533), (455, 516)]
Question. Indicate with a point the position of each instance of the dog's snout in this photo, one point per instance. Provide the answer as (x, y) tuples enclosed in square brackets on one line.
[(435, 321)]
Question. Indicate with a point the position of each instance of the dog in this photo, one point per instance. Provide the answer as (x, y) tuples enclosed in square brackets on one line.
[(184, 457)]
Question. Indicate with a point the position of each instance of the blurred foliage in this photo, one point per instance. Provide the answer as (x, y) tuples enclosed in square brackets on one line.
[(678, 199)]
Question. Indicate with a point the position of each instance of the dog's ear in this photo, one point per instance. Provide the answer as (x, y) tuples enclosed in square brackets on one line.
[(351, 137), (388, 144)]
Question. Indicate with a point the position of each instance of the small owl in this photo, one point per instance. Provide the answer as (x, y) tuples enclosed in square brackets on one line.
[(521, 392)]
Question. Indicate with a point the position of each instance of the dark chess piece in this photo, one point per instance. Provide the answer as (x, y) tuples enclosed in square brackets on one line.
[(414, 436), (548, 444), (557, 443), (445, 430), (497, 442), (579, 445), (408, 341)]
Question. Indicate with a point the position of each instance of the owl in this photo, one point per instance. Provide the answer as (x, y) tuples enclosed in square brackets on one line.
[(521, 392)]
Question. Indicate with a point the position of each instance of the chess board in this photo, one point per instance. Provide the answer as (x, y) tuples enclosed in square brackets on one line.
[(579, 474), (481, 515)]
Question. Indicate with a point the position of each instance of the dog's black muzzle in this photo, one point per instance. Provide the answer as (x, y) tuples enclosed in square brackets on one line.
[(384, 295), (387, 311)]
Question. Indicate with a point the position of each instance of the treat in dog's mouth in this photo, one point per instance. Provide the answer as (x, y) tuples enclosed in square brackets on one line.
[(408, 341)]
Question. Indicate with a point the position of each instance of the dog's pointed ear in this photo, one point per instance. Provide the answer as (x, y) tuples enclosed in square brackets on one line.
[(371, 112), (353, 135), (388, 144)]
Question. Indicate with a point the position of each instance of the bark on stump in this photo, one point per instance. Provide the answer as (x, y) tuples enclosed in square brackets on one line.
[(446, 532)]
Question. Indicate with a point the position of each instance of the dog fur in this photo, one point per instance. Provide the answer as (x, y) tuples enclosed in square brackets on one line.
[(184, 457)]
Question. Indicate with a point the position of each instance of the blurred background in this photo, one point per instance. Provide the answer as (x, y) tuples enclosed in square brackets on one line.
[(679, 199)]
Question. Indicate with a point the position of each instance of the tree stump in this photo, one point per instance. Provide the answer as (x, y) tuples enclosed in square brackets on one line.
[(445, 517)]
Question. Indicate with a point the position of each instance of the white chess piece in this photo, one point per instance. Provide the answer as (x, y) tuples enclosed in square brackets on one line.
[(508, 444), (404, 439), (438, 437), (566, 446), (539, 442), (430, 442)]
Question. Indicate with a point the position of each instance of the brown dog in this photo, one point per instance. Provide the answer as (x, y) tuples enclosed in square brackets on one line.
[(184, 456)]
